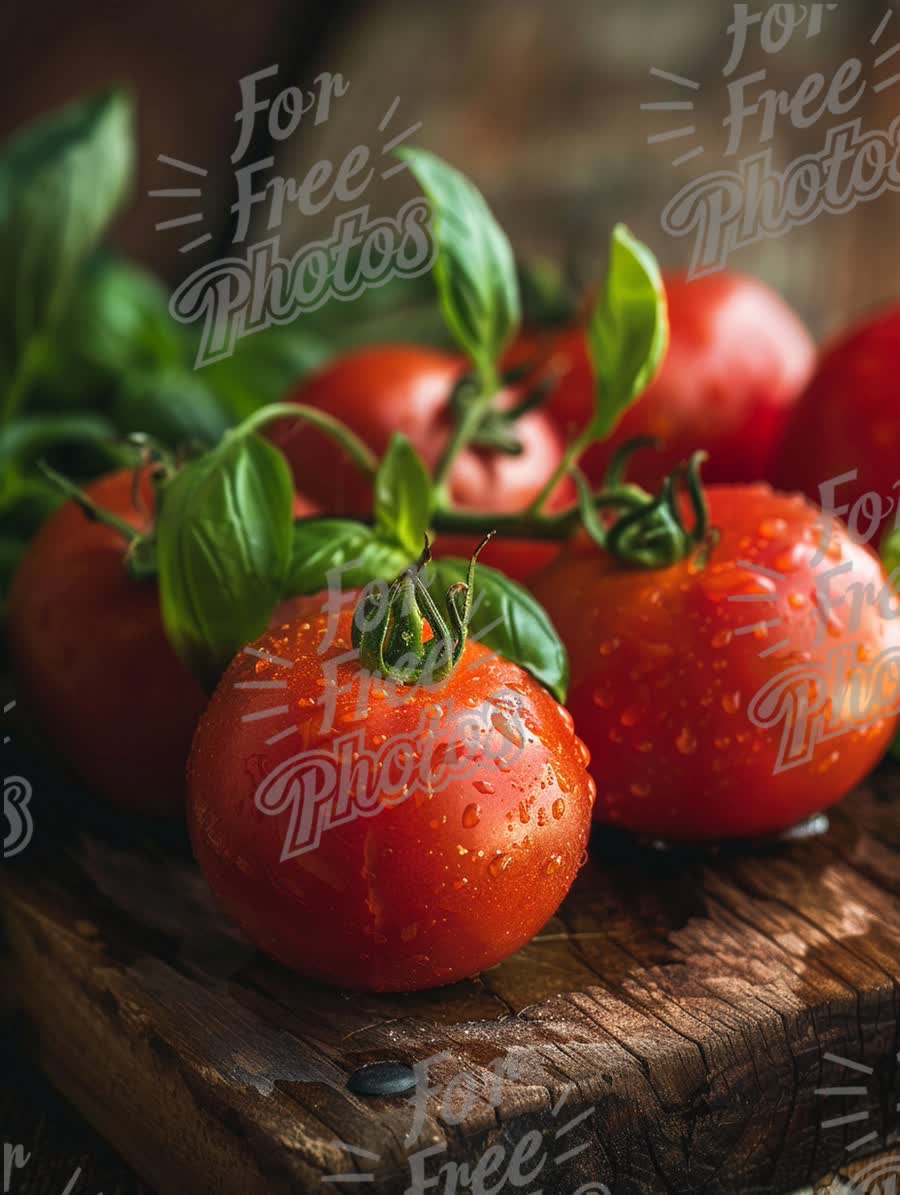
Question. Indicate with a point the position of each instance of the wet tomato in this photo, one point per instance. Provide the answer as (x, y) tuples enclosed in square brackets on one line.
[(737, 360), (847, 423), (737, 697), (378, 836), (395, 388), (91, 658)]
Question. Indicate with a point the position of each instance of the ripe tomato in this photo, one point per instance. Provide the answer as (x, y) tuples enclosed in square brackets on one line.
[(396, 388), (92, 660), (848, 420), (518, 558), (738, 358), (668, 679), (364, 839)]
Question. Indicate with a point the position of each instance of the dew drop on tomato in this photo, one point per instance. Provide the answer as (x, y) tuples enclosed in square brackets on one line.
[(472, 813)]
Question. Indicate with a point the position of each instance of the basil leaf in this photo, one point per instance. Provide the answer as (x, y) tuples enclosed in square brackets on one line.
[(629, 330), (171, 405), (61, 182), (403, 496), (264, 368), (475, 271), (27, 438), (326, 551), (224, 548), (116, 321), (510, 621)]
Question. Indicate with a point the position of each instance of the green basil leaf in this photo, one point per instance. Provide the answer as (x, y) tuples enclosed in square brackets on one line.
[(171, 405), (116, 321), (403, 496), (510, 621), (27, 438), (475, 271), (224, 548), (329, 551), (61, 182), (629, 330), (264, 368)]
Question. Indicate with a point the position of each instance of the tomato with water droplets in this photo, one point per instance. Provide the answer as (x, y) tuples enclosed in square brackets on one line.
[(736, 695), (363, 832)]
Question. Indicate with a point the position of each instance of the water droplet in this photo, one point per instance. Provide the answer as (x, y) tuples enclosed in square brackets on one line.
[(722, 638), (731, 702), (686, 742), (553, 863), (772, 528), (797, 601), (640, 790), (524, 815), (483, 786), (558, 808), (601, 699), (383, 1078), (472, 815), (645, 747), (609, 646), (630, 716), (498, 865), (461, 850)]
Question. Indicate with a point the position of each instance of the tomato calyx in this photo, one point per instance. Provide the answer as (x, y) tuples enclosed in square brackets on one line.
[(388, 634), (654, 534)]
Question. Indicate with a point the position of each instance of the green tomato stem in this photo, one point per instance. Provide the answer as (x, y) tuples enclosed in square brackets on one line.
[(570, 459), (359, 452), (464, 431)]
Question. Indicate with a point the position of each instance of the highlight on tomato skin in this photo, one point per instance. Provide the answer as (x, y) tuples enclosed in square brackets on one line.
[(432, 885), (666, 664), (738, 359)]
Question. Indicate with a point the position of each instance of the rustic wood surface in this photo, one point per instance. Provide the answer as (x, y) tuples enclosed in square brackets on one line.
[(690, 1000)]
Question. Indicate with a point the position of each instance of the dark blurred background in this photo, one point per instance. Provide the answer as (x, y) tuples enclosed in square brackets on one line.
[(539, 101)]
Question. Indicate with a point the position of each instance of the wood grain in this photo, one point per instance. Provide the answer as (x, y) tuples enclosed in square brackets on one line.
[(689, 999)]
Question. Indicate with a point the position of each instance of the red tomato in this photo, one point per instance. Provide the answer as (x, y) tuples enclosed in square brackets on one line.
[(518, 558), (92, 660), (738, 358), (848, 420), (667, 688), (396, 388), (439, 864)]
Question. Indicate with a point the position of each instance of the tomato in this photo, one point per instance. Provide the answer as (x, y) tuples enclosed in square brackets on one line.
[(92, 660), (737, 360), (668, 686), (370, 844), (380, 390), (848, 420), (518, 558)]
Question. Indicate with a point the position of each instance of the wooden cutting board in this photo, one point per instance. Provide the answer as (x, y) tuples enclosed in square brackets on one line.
[(667, 1031)]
